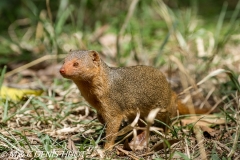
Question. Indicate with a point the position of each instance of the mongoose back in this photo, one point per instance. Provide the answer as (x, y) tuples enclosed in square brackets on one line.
[(117, 93)]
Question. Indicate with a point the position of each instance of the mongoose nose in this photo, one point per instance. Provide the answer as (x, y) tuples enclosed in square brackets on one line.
[(62, 71)]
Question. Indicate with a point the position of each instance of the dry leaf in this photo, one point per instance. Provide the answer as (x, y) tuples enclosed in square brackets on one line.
[(204, 120), (17, 94), (139, 142), (100, 152), (207, 131), (71, 146)]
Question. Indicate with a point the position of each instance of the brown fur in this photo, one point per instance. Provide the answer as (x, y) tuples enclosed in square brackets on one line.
[(117, 93)]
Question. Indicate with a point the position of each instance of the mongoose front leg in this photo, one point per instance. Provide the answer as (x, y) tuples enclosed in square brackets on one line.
[(100, 118), (112, 127)]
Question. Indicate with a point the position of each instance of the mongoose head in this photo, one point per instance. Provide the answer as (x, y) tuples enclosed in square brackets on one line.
[(81, 65)]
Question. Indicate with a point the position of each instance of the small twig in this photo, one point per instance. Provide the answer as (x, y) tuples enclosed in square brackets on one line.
[(147, 154), (49, 10), (123, 139), (28, 65), (129, 15), (223, 146), (217, 103), (207, 97), (199, 138), (190, 79), (235, 141), (183, 70), (212, 74), (187, 150), (124, 26), (25, 104), (128, 153), (31, 139)]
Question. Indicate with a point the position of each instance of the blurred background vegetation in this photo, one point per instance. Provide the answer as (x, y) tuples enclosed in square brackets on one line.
[(31, 29)]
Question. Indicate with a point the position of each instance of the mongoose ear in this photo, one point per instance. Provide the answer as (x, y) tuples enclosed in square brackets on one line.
[(95, 56)]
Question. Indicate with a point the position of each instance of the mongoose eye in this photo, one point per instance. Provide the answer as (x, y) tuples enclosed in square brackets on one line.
[(75, 64)]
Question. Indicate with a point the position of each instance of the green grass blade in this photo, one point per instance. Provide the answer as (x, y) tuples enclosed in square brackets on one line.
[(15, 113), (235, 14), (100, 135), (62, 19), (220, 22), (5, 112), (165, 41), (234, 79), (2, 76), (182, 155), (62, 7), (9, 143)]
